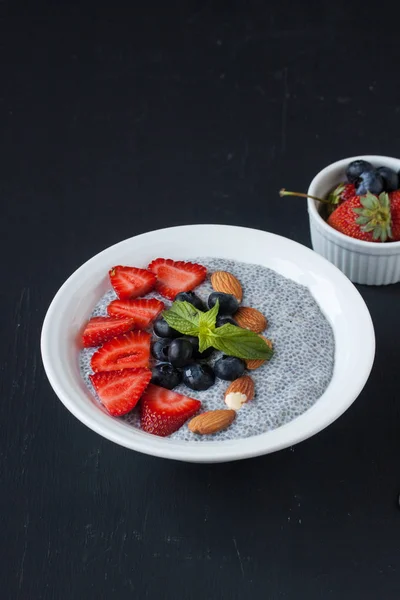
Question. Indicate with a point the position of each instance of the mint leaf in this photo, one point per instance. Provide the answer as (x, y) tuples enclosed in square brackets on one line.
[(206, 340), (208, 319), (207, 327), (239, 342), (183, 317)]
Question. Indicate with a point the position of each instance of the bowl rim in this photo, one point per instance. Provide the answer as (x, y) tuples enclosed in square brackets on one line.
[(293, 432), (313, 210)]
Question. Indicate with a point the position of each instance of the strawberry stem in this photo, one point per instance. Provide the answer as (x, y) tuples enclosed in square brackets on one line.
[(284, 192)]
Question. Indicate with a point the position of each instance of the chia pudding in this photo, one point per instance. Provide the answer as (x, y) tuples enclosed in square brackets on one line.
[(285, 386)]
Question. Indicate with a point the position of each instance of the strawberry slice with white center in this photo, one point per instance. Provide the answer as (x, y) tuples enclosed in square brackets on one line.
[(176, 276), (143, 311), (164, 411), (123, 352), (102, 329), (131, 282), (120, 391)]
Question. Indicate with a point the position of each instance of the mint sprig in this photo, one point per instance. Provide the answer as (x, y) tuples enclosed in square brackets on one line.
[(229, 339)]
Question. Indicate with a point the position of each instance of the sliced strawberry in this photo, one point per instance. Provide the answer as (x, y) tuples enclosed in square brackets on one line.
[(164, 411), (120, 391), (130, 282), (102, 329), (123, 352), (141, 310), (176, 276)]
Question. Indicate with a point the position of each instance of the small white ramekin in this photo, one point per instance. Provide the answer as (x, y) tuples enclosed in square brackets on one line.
[(363, 262)]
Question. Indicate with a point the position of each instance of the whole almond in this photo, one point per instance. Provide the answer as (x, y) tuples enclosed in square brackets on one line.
[(250, 318), (212, 421), (239, 392), (243, 385), (254, 363), (225, 282)]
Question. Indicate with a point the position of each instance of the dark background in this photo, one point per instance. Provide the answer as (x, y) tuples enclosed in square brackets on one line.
[(113, 123)]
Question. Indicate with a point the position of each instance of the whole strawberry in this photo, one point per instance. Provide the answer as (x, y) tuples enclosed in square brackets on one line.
[(395, 210), (343, 192), (367, 218)]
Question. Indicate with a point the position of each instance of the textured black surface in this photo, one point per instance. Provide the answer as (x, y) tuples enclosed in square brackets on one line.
[(114, 123)]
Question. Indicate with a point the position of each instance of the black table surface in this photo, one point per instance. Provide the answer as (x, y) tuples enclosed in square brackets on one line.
[(114, 123)]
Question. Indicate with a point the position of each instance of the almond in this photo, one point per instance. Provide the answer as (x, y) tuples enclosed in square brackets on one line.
[(212, 421), (225, 282), (250, 318), (239, 392), (254, 363)]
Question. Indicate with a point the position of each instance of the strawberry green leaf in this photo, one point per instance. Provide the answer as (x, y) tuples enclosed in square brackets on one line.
[(335, 196), (377, 233), (369, 227), (369, 201), (384, 200), (375, 216)]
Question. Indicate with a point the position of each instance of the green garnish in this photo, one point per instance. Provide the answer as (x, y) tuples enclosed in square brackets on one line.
[(230, 339), (375, 216)]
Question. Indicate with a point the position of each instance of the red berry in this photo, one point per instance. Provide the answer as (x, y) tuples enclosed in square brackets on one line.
[(102, 329), (395, 210), (348, 192), (164, 411), (142, 310), (176, 276), (120, 391), (123, 352), (130, 282), (341, 193), (366, 218), (343, 219)]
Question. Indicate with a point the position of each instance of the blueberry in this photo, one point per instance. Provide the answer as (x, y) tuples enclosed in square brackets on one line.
[(162, 329), (369, 181), (198, 377), (224, 320), (180, 352), (356, 168), (228, 304), (229, 367), (160, 348), (390, 178), (195, 343), (166, 376), (191, 298)]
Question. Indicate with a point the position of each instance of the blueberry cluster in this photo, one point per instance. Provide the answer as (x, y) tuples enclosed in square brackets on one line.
[(368, 178), (179, 357)]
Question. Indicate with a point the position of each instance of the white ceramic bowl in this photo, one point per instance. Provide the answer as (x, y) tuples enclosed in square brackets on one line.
[(337, 297), (363, 262)]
